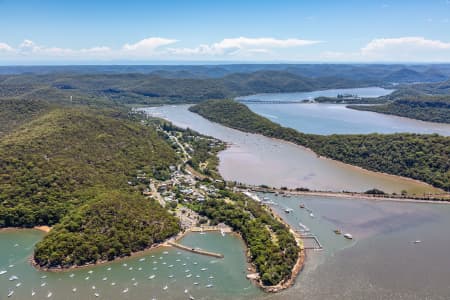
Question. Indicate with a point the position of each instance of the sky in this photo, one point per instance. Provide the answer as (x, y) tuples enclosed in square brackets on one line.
[(127, 32)]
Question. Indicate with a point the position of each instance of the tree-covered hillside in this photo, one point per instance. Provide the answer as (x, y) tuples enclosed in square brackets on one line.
[(422, 157), (413, 104), (58, 161), (113, 224)]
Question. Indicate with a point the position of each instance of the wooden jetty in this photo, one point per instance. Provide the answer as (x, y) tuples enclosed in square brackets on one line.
[(196, 250)]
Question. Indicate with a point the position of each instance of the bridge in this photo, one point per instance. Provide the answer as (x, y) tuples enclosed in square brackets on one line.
[(273, 101)]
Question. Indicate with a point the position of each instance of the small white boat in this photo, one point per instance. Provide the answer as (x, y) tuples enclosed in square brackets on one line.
[(96, 294), (3, 272), (125, 291), (195, 263), (130, 268), (165, 287), (43, 277), (11, 266), (186, 291), (142, 259), (197, 276), (72, 275), (348, 236), (152, 276), (109, 269), (417, 241), (165, 252), (10, 293), (155, 268), (105, 278), (33, 293), (203, 269), (113, 283), (187, 271), (195, 283), (211, 277), (87, 278), (90, 272), (170, 266), (222, 232), (43, 284), (74, 290), (188, 275), (191, 297), (209, 285), (133, 279), (135, 284), (12, 278), (140, 269), (18, 284), (93, 287), (170, 276), (311, 215), (49, 294)]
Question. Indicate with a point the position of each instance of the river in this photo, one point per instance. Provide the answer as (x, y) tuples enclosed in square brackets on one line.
[(382, 262), (321, 118), (255, 159)]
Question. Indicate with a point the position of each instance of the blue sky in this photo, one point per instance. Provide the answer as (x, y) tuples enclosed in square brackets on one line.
[(97, 31)]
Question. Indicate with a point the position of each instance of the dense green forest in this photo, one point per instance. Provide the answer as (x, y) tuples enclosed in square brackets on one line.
[(272, 246), (113, 224), (422, 157), (412, 104), (57, 161), (111, 89)]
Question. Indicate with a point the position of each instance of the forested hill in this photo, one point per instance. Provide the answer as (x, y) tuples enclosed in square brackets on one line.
[(422, 157), (414, 104), (113, 224), (58, 161), (111, 89)]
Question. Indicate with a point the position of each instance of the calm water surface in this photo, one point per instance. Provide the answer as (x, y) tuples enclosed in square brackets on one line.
[(178, 270), (255, 159), (336, 118), (382, 262)]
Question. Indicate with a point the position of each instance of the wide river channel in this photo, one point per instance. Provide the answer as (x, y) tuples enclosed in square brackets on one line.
[(381, 262)]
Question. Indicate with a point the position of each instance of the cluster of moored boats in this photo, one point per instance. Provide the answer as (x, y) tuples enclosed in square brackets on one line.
[(154, 263)]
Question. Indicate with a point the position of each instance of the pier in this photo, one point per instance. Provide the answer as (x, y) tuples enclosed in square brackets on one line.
[(196, 250), (311, 237), (225, 229)]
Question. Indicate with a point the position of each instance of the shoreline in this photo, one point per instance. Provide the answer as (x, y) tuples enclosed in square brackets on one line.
[(299, 264), (347, 165), (350, 195), (102, 262)]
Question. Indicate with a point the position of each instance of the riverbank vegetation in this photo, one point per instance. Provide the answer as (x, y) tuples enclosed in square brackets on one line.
[(272, 247), (113, 224), (422, 101), (421, 157)]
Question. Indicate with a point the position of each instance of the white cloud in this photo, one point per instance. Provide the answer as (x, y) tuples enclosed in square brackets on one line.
[(148, 45), (5, 47), (406, 48), (242, 45)]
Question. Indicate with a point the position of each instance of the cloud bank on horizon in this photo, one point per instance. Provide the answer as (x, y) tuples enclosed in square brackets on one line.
[(400, 49)]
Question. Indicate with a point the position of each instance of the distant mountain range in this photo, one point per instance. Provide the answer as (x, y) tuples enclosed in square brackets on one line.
[(380, 73)]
